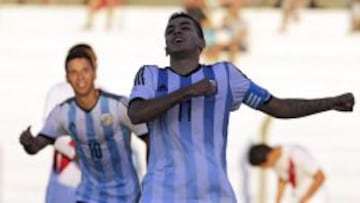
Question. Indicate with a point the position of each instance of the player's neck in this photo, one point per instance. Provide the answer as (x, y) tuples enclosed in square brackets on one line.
[(88, 101), (184, 66)]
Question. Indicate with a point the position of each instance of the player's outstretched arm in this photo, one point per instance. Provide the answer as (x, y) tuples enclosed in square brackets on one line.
[(141, 111), (33, 144), (294, 108)]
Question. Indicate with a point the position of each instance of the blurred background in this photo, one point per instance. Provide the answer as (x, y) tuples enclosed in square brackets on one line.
[(295, 48)]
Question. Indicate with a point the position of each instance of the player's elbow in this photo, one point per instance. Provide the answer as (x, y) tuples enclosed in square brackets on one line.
[(134, 116), (320, 177)]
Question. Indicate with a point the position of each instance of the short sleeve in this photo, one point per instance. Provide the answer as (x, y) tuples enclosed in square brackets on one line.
[(138, 129), (53, 125), (306, 161), (246, 91), (143, 84)]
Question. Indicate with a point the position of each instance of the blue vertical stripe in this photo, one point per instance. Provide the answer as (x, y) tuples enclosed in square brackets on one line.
[(209, 109), (186, 137), (168, 183), (92, 138), (87, 191), (112, 146), (228, 103)]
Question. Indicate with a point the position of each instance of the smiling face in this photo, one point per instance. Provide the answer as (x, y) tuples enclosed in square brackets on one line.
[(182, 36), (80, 73)]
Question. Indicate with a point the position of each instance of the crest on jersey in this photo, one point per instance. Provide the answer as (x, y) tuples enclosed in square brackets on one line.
[(106, 119)]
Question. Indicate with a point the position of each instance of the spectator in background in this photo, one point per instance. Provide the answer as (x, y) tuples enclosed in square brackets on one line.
[(96, 5), (195, 8), (293, 166), (355, 15), (212, 49), (290, 11), (234, 29)]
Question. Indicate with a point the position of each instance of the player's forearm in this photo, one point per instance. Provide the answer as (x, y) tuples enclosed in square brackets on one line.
[(294, 108), (141, 111), (319, 179), (300, 107), (280, 191)]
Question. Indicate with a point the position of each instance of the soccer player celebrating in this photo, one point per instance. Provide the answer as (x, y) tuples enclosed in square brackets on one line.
[(187, 107), (98, 123)]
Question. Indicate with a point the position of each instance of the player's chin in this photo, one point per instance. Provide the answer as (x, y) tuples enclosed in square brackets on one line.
[(81, 92)]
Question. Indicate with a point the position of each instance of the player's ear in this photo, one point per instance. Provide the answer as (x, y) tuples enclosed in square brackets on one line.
[(202, 44)]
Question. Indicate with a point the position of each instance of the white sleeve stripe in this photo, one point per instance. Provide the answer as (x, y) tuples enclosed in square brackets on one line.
[(249, 98), (253, 99), (257, 102)]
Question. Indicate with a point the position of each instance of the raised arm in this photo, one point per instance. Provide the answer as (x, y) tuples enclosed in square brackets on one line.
[(146, 110), (33, 144), (294, 108)]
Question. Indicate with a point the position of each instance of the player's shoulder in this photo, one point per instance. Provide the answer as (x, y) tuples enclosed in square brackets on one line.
[(124, 100), (298, 150), (150, 67), (221, 64), (145, 71), (111, 95), (66, 101), (228, 66)]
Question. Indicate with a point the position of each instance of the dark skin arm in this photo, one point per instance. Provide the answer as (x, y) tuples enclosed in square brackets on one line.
[(33, 144), (141, 111), (294, 108)]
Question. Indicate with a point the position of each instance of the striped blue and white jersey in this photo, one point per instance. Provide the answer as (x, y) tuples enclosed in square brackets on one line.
[(102, 142), (187, 160)]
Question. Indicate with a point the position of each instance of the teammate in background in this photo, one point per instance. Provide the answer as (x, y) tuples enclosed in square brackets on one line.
[(295, 167), (99, 125), (96, 5), (187, 107), (65, 173), (290, 11), (355, 15)]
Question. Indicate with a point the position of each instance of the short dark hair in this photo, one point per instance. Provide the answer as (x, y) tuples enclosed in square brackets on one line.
[(80, 46), (196, 23), (258, 153), (78, 54)]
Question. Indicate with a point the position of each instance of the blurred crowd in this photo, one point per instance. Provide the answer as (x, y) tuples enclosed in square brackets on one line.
[(223, 23)]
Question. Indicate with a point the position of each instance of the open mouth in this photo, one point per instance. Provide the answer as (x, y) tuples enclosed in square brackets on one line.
[(178, 40)]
